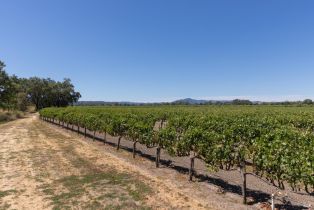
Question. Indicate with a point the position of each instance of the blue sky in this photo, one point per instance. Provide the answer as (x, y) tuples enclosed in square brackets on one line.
[(161, 50)]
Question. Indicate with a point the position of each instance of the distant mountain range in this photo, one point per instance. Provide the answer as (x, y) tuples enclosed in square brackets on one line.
[(186, 101), (190, 101)]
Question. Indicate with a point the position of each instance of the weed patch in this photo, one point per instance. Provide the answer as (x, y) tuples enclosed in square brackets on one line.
[(6, 193), (105, 190)]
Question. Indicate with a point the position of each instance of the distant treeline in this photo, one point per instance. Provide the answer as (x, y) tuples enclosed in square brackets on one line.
[(18, 93), (195, 102)]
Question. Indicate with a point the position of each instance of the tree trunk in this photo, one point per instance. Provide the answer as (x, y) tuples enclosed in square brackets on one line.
[(85, 132), (306, 188), (243, 177), (78, 130), (94, 136), (157, 157), (134, 149), (119, 140), (191, 170)]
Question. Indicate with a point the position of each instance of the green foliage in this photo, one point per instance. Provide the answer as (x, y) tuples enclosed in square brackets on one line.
[(18, 93), (47, 92), (278, 141), (7, 89)]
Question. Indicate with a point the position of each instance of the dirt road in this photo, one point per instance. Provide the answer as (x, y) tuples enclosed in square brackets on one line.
[(45, 167)]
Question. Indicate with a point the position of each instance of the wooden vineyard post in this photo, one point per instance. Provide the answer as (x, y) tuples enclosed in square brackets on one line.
[(134, 148), (243, 178), (157, 127), (94, 136), (85, 132), (157, 157), (105, 139), (78, 130), (119, 140), (191, 169)]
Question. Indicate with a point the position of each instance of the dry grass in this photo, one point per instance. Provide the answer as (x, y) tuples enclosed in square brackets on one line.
[(6, 116)]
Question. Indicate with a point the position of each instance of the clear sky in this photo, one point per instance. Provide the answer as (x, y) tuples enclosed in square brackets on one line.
[(161, 50)]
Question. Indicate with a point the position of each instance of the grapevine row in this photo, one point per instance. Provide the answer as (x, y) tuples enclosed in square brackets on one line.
[(278, 143)]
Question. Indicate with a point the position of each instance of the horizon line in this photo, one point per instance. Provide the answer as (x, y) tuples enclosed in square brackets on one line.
[(270, 99)]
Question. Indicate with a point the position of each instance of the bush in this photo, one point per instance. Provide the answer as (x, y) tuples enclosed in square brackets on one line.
[(9, 116)]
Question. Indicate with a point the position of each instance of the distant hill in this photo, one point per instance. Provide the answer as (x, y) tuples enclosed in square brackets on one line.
[(105, 103), (186, 101), (190, 101)]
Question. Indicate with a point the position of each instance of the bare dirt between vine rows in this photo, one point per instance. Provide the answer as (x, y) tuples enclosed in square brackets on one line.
[(45, 167), (228, 182)]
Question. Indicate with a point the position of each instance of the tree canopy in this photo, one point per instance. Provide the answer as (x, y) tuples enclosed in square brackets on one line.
[(17, 93)]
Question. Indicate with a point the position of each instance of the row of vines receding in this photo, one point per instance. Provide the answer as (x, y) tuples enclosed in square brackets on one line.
[(277, 142)]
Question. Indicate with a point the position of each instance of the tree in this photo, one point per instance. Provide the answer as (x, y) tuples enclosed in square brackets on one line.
[(241, 102), (307, 101), (20, 101), (36, 91), (47, 92), (6, 88), (18, 93), (64, 93)]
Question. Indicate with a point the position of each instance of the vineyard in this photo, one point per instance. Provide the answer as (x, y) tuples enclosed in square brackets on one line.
[(275, 143)]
